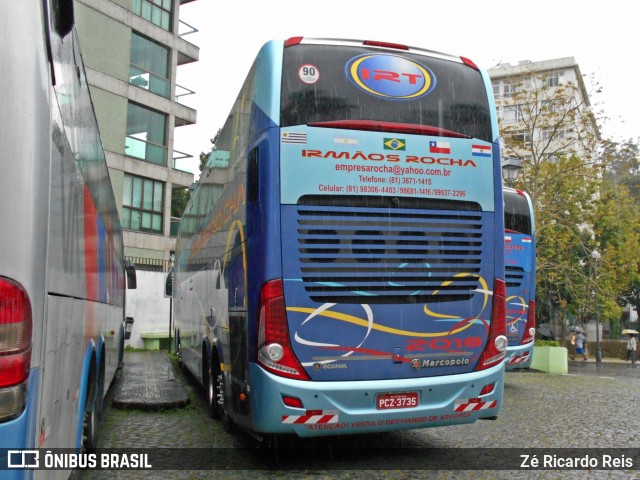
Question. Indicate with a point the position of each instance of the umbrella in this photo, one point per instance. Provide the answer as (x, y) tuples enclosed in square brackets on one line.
[(576, 328), (545, 330), (628, 331)]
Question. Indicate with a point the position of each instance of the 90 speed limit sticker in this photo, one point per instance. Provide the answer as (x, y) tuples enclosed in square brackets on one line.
[(309, 73)]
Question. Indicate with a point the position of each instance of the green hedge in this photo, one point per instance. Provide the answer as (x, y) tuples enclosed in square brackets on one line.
[(610, 348)]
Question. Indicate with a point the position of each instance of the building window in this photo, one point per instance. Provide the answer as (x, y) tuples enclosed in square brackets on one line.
[(553, 134), (142, 200), (157, 12), (149, 65), (553, 79), (509, 90), (146, 135), (496, 89), (512, 114), (521, 137)]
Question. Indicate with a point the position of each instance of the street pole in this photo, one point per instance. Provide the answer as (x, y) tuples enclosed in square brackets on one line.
[(596, 256)]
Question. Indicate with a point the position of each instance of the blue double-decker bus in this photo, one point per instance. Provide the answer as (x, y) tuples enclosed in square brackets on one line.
[(340, 266), (520, 273)]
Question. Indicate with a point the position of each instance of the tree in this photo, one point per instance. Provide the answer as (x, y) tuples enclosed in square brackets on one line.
[(586, 196), (617, 231), (179, 200), (542, 121), (550, 127), (623, 165), (203, 161), (563, 213)]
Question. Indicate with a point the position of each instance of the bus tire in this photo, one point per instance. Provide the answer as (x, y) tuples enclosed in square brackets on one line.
[(90, 422), (219, 382), (121, 349), (227, 424), (178, 349), (90, 430), (99, 398), (210, 373)]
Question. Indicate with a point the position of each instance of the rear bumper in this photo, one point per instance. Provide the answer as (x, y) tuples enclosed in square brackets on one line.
[(337, 408), (519, 357)]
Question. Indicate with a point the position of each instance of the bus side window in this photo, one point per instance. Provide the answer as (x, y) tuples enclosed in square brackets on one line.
[(236, 275), (253, 183)]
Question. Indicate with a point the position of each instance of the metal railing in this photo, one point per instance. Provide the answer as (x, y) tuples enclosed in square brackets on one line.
[(191, 29), (182, 92), (177, 157), (150, 264)]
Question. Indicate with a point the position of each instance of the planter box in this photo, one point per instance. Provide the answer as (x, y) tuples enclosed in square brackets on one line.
[(550, 360), (155, 340)]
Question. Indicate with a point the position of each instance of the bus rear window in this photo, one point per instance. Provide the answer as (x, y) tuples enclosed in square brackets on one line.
[(517, 216), (328, 83)]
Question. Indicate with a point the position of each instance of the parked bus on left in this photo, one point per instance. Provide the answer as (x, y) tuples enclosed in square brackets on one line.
[(62, 267)]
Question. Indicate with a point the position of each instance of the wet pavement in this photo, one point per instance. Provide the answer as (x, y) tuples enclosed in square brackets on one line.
[(148, 382), (616, 369)]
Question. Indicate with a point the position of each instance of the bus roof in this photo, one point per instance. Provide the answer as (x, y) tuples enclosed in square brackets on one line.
[(376, 44)]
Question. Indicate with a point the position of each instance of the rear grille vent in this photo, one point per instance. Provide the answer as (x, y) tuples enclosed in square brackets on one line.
[(383, 255), (514, 276)]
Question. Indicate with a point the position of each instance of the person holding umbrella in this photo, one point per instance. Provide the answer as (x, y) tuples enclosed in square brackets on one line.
[(631, 346), (580, 345), (578, 340)]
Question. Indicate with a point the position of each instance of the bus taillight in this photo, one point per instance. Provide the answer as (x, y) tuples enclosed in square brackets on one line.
[(530, 329), (496, 347), (15, 347), (469, 63), (274, 347), (375, 43), (289, 42)]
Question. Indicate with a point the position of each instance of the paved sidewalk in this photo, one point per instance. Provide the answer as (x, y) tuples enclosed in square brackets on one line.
[(148, 382), (592, 359)]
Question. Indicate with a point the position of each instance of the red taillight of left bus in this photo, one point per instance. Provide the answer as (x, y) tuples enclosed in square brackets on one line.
[(530, 329), (15, 347), (496, 346), (274, 346)]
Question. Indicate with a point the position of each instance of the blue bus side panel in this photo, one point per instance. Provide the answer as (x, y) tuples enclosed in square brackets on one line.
[(520, 279), (266, 95)]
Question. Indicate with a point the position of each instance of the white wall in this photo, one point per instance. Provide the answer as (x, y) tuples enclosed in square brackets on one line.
[(148, 306)]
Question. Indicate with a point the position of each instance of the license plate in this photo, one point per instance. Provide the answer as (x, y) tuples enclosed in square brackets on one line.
[(386, 401)]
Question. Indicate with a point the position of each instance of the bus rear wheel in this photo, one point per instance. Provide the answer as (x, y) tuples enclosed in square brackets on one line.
[(90, 426), (227, 423), (214, 390), (178, 349)]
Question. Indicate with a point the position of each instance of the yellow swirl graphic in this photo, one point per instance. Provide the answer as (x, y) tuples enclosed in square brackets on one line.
[(521, 304), (485, 290)]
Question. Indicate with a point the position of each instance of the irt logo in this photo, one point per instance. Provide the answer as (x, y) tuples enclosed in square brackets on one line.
[(390, 76)]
